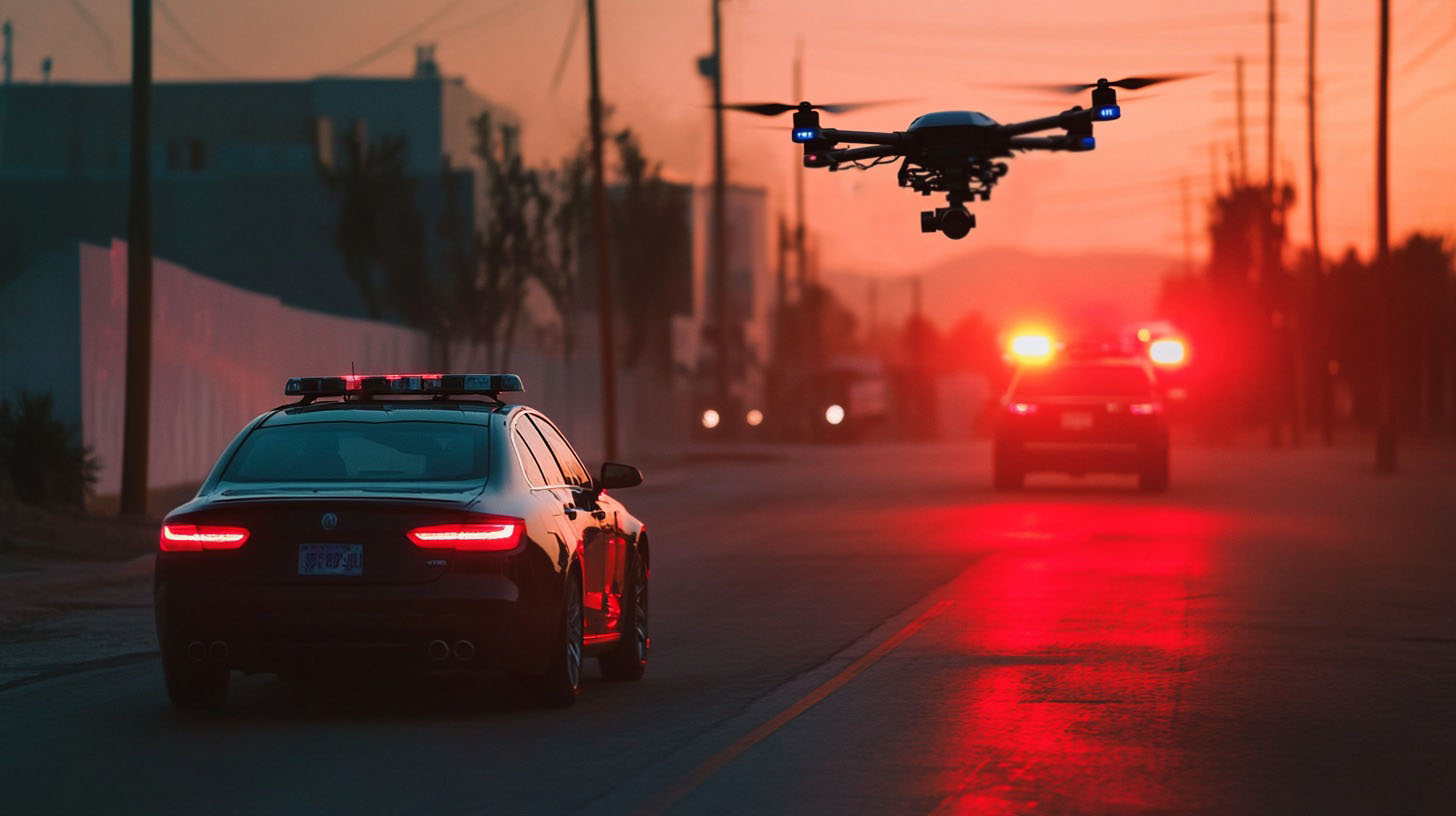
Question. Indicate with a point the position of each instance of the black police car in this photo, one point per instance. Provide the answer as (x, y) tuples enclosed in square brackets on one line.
[(1082, 416), (409, 522)]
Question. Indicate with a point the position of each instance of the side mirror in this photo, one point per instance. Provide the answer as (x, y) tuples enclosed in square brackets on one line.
[(616, 475)]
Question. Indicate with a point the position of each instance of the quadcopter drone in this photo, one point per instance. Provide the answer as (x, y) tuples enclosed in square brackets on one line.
[(951, 152)]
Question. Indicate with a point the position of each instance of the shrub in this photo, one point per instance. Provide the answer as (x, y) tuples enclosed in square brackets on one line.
[(42, 457)]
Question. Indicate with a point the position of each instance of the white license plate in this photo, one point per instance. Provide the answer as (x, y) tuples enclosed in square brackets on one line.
[(1076, 421), (330, 559)]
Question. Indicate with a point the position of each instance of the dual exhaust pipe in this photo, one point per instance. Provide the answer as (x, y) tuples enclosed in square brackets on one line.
[(199, 652), (439, 651)]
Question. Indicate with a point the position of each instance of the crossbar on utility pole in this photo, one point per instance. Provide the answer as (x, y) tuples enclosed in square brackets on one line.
[(603, 249), (136, 422)]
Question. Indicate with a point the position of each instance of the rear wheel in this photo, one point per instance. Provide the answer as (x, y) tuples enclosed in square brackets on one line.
[(194, 686), (1153, 476), (558, 687), (1006, 472), (628, 659)]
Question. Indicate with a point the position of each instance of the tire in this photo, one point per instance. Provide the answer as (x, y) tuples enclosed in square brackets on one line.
[(1153, 477), (194, 687), (1006, 473), (561, 683), (627, 660)]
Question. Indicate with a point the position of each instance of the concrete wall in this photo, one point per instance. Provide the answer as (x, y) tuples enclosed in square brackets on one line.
[(221, 354)]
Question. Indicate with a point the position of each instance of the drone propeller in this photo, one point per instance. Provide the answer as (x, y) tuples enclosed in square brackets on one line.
[(1127, 84), (778, 108)]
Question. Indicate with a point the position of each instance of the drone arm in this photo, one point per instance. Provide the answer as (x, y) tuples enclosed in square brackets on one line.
[(865, 137), (1038, 143), (1064, 119)]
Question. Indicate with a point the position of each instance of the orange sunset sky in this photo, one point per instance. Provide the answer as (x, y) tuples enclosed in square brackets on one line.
[(941, 54)]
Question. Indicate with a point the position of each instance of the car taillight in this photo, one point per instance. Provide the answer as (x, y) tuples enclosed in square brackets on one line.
[(489, 534), (1022, 408), (1144, 408), (195, 537)]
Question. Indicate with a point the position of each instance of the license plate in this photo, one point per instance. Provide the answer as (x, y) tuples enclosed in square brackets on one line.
[(1076, 421), (331, 559)]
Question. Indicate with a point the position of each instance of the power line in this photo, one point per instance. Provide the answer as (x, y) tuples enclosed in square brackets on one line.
[(400, 40), (186, 35), (1425, 97), (1428, 51), (566, 45), (181, 59), (97, 30)]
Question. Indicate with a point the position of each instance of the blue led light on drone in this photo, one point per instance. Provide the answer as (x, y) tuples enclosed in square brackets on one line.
[(1107, 112), (1088, 142), (806, 134)]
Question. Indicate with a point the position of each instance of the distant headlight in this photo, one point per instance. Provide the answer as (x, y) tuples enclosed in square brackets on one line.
[(834, 414), (754, 418), (711, 419)]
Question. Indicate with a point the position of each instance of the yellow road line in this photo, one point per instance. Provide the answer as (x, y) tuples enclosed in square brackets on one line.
[(715, 763)]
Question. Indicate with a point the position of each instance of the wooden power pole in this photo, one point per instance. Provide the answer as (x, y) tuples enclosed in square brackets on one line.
[(1385, 435), (136, 422), (1272, 106), (600, 227), (1239, 113), (1327, 406), (722, 372)]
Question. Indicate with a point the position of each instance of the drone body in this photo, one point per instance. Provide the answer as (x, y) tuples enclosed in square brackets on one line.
[(958, 153)]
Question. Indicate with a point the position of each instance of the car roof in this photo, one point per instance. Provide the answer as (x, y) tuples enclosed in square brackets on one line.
[(396, 410)]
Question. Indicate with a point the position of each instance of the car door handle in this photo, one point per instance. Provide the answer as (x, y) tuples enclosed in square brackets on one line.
[(599, 515)]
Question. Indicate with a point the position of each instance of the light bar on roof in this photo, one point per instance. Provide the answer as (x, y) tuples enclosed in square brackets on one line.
[(442, 384)]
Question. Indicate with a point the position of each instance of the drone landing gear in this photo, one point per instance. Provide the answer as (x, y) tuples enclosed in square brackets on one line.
[(955, 221)]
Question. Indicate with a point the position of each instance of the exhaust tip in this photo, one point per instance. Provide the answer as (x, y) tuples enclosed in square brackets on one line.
[(464, 650), (438, 650), (218, 651), (197, 651)]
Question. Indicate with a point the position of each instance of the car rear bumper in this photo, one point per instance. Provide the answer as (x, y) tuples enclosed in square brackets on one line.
[(278, 627), (1082, 457)]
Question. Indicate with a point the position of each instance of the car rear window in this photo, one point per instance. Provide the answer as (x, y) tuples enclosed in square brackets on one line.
[(1084, 380), (361, 452)]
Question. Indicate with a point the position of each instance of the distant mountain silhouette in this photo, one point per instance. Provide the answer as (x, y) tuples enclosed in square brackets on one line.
[(1082, 292)]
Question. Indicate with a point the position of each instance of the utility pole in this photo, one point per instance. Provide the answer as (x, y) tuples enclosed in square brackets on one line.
[(1243, 140), (1385, 435), (720, 223), (1327, 394), (1269, 130), (6, 55), (136, 422), (603, 249)]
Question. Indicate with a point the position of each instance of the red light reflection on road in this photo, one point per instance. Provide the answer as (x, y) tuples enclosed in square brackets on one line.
[(1078, 633)]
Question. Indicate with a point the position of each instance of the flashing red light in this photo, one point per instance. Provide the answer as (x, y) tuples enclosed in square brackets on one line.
[(1022, 408), (488, 534), (1168, 352), (1031, 348), (197, 537)]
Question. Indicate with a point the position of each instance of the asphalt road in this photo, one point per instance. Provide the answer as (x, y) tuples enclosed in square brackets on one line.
[(872, 630)]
